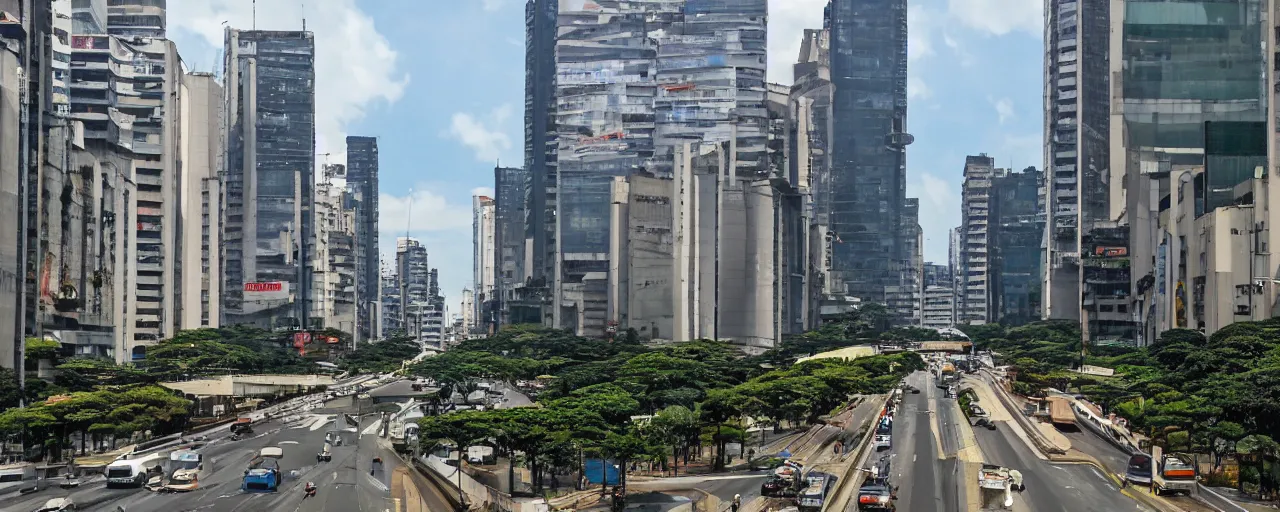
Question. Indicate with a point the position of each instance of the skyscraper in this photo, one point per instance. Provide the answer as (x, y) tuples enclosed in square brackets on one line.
[(510, 186), (1076, 144), (539, 133), (973, 306), (632, 84), (270, 95), (362, 186), (484, 259), (1016, 231), (868, 51)]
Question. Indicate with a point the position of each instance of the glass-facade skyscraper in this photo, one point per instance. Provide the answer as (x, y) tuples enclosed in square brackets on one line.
[(270, 175), (1192, 98), (868, 41), (362, 186)]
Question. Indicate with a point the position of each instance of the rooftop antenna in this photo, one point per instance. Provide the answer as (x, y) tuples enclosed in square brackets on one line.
[(304, 16), (255, 15)]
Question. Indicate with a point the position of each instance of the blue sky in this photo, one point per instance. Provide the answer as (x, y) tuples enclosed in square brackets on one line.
[(441, 84)]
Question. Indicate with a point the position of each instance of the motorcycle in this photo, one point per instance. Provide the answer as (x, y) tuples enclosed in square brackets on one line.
[(309, 491)]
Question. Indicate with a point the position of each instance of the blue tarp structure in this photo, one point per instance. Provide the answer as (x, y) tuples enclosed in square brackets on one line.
[(593, 473)]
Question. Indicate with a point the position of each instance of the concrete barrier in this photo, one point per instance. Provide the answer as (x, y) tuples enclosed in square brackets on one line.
[(853, 475)]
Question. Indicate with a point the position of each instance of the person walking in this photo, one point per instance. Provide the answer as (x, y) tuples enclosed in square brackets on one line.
[(737, 503)]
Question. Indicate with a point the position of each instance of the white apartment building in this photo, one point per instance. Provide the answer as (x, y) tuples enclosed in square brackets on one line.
[(939, 307), (485, 254), (972, 297)]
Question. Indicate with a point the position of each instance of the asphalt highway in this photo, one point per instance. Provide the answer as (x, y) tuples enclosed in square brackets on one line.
[(345, 483), (1052, 487), (924, 481)]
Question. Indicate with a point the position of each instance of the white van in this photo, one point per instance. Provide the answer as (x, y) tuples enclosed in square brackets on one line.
[(129, 472), (19, 477)]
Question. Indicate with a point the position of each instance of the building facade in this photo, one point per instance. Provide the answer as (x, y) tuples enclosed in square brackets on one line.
[(1189, 122), (540, 151), (974, 278), (866, 208), (334, 269), (200, 232), (1016, 229), (413, 280), (629, 86), (484, 260), (362, 188), (1077, 147), (124, 91), (270, 178), (510, 186)]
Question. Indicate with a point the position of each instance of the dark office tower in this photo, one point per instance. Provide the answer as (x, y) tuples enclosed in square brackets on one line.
[(868, 150), (539, 128), (1077, 148), (1015, 230), (270, 176), (144, 18), (509, 184), (362, 184)]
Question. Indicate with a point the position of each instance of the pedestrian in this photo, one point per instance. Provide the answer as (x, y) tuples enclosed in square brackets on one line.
[(737, 502)]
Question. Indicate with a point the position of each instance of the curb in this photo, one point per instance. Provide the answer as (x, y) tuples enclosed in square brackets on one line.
[(1044, 446)]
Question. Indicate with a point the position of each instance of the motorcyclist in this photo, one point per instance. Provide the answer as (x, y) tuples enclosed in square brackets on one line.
[(310, 489)]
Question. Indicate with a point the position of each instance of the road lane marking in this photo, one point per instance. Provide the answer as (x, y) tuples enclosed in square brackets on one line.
[(913, 457)]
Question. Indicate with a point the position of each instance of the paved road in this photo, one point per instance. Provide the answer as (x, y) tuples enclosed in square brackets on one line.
[(1052, 487), (914, 465), (345, 483)]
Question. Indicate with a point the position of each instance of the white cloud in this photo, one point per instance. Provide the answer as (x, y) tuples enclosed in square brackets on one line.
[(939, 209), (483, 191), (421, 213), (486, 138), (787, 21), (999, 17), (921, 24), (1004, 109), (355, 65), (917, 89), (493, 5)]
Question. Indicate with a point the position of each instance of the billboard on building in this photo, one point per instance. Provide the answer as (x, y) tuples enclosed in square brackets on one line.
[(266, 290), (301, 339)]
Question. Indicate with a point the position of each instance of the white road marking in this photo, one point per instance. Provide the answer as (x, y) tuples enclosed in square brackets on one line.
[(913, 458)]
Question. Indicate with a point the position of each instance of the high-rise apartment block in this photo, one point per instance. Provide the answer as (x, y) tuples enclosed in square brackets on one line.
[(362, 190), (270, 175), (1077, 144), (973, 295), (124, 92), (333, 278), (485, 260)]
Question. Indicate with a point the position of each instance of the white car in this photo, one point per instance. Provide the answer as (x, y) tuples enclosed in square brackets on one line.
[(57, 505)]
